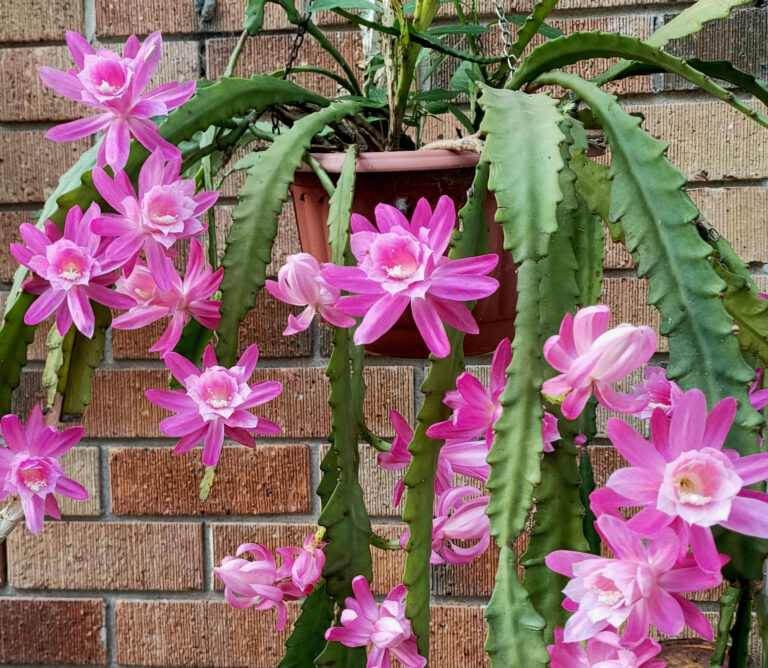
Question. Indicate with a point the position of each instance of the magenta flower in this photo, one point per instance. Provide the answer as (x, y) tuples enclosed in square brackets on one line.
[(70, 268), (402, 263), (307, 568), (549, 431), (214, 403), (398, 457), (468, 521), (259, 582), (165, 210), (188, 298), (685, 479), (757, 397), (300, 283), (605, 650), (656, 392), (386, 629), (462, 457), (29, 466), (641, 586), (591, 357), (475, 407), (115, 85)]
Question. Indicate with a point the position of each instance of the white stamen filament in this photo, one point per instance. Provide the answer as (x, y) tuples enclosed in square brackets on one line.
[(217, 403), (70, 274), (607, 596), (397, 272)]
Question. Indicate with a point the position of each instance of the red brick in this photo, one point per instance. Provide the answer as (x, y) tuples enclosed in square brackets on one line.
[(52, 631), (110, 556), (39, 20), (9, 233), (230, 14), (628, 301), (269, 53), (30, 165), (269, 479), (457, 637), (141, 17)]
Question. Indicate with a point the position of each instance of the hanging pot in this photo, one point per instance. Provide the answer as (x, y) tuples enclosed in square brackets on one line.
[(400, 179)]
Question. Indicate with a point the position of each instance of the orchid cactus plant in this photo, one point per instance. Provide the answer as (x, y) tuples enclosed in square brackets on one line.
[(597, 579)]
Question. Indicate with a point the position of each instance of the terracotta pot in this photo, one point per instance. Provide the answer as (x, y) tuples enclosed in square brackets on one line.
[(400, 179)]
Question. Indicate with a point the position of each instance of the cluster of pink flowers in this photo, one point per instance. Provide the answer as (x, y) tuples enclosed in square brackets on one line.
[(260, 582)]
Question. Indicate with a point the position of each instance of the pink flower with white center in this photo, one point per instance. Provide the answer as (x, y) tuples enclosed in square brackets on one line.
[(457, 518), (307, 568), (475, 407), (604, 650), (685, 479), (403, 262), (386, 629), (300, 283), (591, 357), (71, 269), (215, 402), (259, 582), (116, 86), (656, 392), (188, 298), (549, 431), (166, 209), (29, 466), (641, 586)]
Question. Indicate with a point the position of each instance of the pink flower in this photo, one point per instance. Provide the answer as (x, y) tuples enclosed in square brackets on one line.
[(685, 479), (214, 403), (591, 357), (549, 431), (641, 586), (259, 582), (402, 263), (398, 457), (386, 629), (70, 268), (300, 283), (29, 466), (656, 392), (475, 408), (115, 85), (757, 397), (187, 298), (468, 521), (165, 210), (605, 650), (307, 568)]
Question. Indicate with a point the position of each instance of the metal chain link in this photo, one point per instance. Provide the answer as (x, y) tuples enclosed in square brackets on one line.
[(506, 36)]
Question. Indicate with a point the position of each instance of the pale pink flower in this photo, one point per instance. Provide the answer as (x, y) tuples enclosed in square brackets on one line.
[(166, 209), (307, 568), (403, 262), (549, 431), (29, 466), (259, 582), (591, 357), (300, 283), (116, 86), (187, 298), (685, 479), (215, 402), (462, 458), (386, 629), (656, 392), (70, 268), (640, 586), (457, 517), (475, 407), (604, 650)]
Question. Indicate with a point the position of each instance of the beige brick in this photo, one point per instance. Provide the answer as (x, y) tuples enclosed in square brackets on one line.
[(82, 465), (39, 20), (627, 299), (9, 233), (230, 14), (269, 53), (52, 631), (110, 556), (141, 17), (269, 479), (30, 165)]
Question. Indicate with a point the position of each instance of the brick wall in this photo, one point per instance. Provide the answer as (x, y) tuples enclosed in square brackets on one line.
[(126, 578)]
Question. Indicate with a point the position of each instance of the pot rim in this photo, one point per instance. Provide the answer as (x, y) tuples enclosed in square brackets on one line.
[(397, 161)]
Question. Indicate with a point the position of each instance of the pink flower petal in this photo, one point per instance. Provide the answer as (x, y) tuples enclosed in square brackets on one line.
[(380, 318), (82, 127)]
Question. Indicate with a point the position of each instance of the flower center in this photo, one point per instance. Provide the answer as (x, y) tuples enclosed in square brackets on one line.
[(607, 596), (688, 491), (68, 263), (34, 477)]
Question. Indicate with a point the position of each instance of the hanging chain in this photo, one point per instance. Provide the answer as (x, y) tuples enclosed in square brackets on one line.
[(298, 40), (506, 36)]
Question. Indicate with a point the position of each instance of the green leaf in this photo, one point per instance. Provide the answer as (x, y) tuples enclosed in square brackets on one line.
[(306, 640), (546, 30), (514, 626), (465, 77), (340, 210), (206, 484), (522, 139), (323, 5), (58, 346), (459, 29), (570, 49), (434, 95), (593, 185), (254, 221), (533, 25), (254, 16)]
